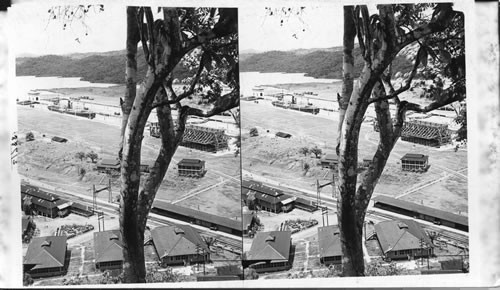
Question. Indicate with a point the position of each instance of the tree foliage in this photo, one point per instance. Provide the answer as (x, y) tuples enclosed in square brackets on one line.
[(316, 151), (30, 136), (92, 156), (304, 150), (80, 155), (254, 132)]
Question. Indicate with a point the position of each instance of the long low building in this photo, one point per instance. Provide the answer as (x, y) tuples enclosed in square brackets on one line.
[(422, 212), (198, 217), (46, 256), (330, 248), (44, 203)]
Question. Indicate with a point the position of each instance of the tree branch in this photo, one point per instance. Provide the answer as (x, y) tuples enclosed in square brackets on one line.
[(403, 88), (140, 23), (446, 97), (187, 93), (439, 22), (221, 104)]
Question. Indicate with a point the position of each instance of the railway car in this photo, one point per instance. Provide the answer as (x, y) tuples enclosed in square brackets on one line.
[(429, 214)]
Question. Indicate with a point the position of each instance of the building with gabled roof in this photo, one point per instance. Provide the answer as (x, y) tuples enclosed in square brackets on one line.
[(46, 256), (403, 239), (108, 250), (330, 160), (270, 251), (179, 245), (266, 197), (44, 203), (414, 162), (330, 249)]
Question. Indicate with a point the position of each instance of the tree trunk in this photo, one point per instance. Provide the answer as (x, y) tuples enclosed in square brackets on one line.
[(347, 68), (130, 225), (130, 69)]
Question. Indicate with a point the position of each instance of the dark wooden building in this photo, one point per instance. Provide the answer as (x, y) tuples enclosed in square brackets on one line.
[(415, 162), (330, 249), (283, 135), (204, 139), (330, 160), (179, 245), (426, 213), (267, 198), (44, 203), (108, 250), (108, 165), (270, 251), (46, 256), (198, 217), (403, 239), (191, 167)]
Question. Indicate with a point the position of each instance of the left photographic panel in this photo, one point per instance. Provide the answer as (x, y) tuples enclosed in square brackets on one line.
[(128, 141)]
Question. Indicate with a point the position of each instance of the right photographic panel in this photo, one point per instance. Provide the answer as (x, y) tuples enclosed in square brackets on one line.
[(353, 141)]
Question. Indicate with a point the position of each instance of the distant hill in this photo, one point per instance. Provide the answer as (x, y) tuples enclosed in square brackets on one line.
[(318, 63), (107, 67)]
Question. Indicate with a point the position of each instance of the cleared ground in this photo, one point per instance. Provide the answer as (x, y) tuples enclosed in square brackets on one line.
[(56, 163), (444, 186)]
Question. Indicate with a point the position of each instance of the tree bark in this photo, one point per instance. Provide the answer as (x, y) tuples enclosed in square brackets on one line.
[(347, 68), (130, 70)]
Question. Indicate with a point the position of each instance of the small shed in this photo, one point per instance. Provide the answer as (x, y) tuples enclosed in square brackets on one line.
[(414, 162), (59, 139), (108, 164), (330, 160), (283, 135)]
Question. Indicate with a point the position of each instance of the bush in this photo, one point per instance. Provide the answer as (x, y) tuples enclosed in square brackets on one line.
[(93, 156), (254, 132), (316, 151), (30, 136), (304, 150), (80, 155)]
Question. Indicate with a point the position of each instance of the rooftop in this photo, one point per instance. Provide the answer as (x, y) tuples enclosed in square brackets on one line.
[(272, 246), (329, 241), (46, 252), (108, 246), (443, 215), (223, 221), (414, 156), (177, 240), (401, 235)]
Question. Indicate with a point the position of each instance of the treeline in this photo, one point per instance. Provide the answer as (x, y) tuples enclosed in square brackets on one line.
[(108, 68), (317, 64)]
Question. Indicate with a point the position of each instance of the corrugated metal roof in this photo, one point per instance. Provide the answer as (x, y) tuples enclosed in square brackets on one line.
[(440, 214), (108, 246), (329, 241), (401, 235), (274, 246), (222, 221), (36, 192), (52, 254), (177, 240)]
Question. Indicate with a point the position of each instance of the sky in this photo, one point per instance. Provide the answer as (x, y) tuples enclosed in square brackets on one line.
[(34, 34), (313, 27)]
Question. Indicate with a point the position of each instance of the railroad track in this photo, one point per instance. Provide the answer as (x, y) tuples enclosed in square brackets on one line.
[(234, 244)]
